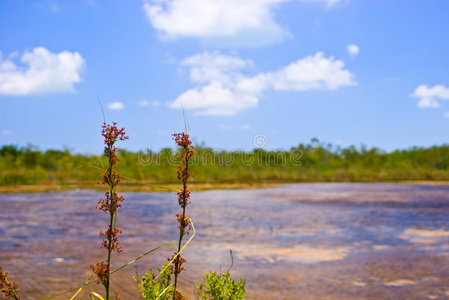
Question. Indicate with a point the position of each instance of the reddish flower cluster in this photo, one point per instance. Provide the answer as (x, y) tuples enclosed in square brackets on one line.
[(183, 198), (116, 296), (184, 171), (110, 202), (111, 235), (177, 267), (179, 296), (112, 134), (9, 289), (101, 269), (187, 151), (183, 174), (184, 223)]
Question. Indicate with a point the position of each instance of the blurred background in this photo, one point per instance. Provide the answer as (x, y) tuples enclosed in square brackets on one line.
[(356, 90)]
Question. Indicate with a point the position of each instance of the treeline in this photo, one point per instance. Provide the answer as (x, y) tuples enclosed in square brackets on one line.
[(307, 162)]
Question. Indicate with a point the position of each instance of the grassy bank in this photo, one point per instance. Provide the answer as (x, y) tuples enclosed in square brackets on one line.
[(29, 169)]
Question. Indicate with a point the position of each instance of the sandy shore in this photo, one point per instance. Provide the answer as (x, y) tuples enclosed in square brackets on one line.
[(155, 187), (44, 188)]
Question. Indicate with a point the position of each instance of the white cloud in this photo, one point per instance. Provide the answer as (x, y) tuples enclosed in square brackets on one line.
[(428, 96), (207, 66), (224, 90), (312, 72), (144, 103), (215, 99), (353, 50), (229, 22), (6, 132), (116, 106), (234, 19), (42, 72)]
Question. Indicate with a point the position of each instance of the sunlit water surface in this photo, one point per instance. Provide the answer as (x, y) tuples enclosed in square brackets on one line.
[(300, 241)]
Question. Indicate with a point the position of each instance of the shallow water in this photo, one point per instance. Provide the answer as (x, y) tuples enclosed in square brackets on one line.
[(300, 241)]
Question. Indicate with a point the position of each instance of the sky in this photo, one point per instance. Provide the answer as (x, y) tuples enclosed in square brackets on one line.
[(255, 73)]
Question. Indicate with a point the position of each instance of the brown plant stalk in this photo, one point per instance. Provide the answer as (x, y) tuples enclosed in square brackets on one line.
[(184, 172), (110, 203)]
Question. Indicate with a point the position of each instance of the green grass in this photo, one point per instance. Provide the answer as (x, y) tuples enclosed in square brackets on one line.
[(313, 162)]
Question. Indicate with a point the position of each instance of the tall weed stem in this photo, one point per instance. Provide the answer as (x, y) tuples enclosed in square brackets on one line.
[(184, 172), (110, 203)]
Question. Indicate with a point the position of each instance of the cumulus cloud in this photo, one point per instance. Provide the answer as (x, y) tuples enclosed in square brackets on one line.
[(41, 72), (6, 132), (215, 99), (242, 22), (143, 103), (212, 66), (224, 90), (430, 96), (353, 50), (312, 72), (116, 105)]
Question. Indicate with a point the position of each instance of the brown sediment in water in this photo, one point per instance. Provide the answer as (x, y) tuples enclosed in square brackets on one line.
[(426, 233), (302, 241), (400, 282), (297, 253), (424, 236), (431, 182)]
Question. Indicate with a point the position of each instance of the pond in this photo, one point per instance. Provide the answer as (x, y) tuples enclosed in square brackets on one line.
[(298, 241)]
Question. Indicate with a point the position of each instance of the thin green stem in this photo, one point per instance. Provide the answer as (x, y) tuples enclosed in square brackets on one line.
[(111, 221), (181, 229), (181, 235)]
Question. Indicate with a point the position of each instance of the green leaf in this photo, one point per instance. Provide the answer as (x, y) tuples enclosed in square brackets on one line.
[(96, 295)]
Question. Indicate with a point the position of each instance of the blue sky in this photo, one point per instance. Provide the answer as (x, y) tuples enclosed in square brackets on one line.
[(346, 72)]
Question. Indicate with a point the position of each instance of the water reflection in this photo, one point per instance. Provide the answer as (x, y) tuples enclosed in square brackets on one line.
[(303, 241)]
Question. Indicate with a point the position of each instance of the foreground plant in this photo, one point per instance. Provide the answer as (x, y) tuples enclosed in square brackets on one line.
[(7, 288), (184, 172), (156, 286), (221, 287), (110, 203)]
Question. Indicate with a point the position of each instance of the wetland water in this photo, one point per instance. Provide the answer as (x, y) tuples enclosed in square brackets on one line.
[(299, 241)]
